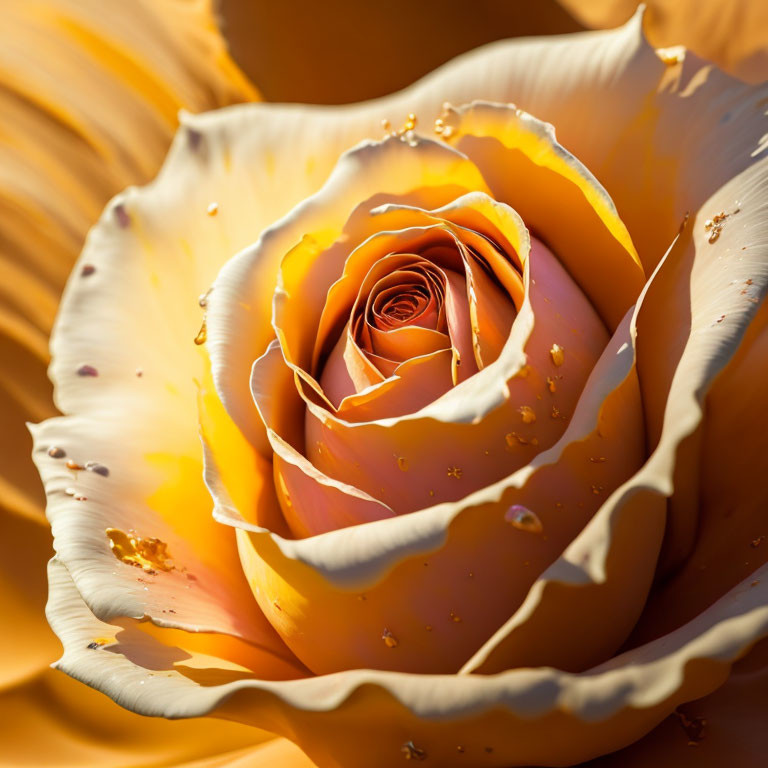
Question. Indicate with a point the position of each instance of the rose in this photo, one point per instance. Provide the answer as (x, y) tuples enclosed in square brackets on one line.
[(144, 453)]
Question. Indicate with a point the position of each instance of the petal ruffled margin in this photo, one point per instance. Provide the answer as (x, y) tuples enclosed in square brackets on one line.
[(606, 707)]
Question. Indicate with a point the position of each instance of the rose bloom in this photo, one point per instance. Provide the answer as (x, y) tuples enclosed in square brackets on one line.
[(477, 410)]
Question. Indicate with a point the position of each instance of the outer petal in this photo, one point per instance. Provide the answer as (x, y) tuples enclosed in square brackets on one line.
[(89, 102), (507, 719), (723, 728)]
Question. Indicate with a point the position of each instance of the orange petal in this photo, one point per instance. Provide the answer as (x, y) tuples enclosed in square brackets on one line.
[(529, 171), (498, 439)]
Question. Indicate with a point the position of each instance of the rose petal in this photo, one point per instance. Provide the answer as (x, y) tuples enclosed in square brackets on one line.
[(420, 576), (529, 171), (197, 590), (593, 713), (496, 440)]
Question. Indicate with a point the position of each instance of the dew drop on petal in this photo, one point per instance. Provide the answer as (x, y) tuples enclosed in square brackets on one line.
[(455, 472), (56, 453), (121, 214), (402, 463), (202, 334), (213, 209), (389, 639), (202, 299), (149, 554), (87, 370), (522, 518), (87, 270), (557, 353), (527, 414), (99, 469), (412, 752)]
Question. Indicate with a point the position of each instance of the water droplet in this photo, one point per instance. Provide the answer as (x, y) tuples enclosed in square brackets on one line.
[(212, 209), (455, 617), (139, 373), (87, 370), (597, 489), (695, 728), (551, 385), (598, 459), (56, 453), (87, 270), (389, 639), (276, 605), (671, 56), (431, 493), (202, 299), (527, 414), (121, 214), (755, 543), (522, 518), (73, 465), (402, 464), (99, 642), (557, 353), (412, 752), (555, 413), (202, 334), (194, 137), (149, 554), (70, 491), (99, 469), (455, 472)]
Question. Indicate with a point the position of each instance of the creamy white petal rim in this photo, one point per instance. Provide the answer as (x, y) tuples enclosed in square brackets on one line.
[(514, 712), (620, 61)]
